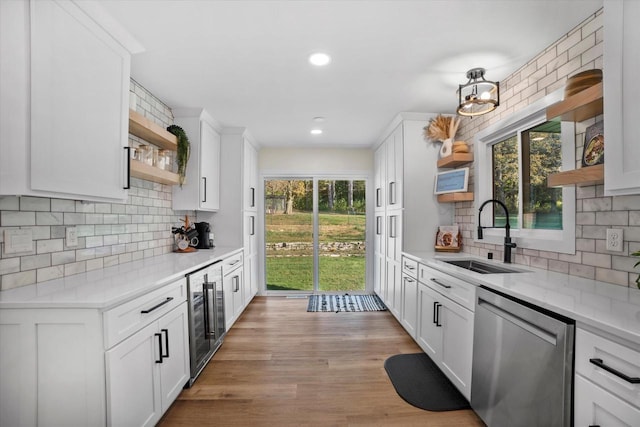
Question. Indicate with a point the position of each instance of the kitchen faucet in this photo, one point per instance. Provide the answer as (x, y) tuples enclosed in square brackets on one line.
[(507, 237)]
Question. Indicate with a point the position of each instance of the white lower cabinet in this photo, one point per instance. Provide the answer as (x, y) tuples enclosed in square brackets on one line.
[(445, 329), (409, 296), (147, 371), (91, 367), (607, 392), (233, 287)]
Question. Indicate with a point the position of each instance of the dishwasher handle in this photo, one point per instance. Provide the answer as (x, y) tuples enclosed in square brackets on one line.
[(600, 364)]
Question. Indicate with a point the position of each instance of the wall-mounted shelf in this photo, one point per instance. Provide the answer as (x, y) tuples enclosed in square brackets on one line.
[(152, 173), (455, 197), (455, 160), (581, 106), (589, 175), (151, 132)]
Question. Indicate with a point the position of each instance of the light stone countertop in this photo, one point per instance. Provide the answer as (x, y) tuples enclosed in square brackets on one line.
[(612, 309), (111, 286)]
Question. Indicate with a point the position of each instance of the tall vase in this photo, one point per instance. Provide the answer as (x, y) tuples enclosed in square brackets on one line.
[(446, 148)]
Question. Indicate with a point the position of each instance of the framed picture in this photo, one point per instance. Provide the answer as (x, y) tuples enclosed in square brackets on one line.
[(453, 181), (593, 150)]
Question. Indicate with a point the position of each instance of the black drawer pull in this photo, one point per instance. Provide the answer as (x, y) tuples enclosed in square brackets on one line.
[(600, 364), (149, 310), (434, 280)]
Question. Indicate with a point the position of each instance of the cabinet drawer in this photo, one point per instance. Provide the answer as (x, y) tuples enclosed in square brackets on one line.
[(232, 262), (595, 406), (410, 267), (455, 289), (128, 318), (623, 359)]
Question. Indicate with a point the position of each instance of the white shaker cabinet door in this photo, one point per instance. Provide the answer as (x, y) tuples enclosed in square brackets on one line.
[(79, 99), (621, 87), (174, 369), (132, 377), (596, 406), (209, 168)]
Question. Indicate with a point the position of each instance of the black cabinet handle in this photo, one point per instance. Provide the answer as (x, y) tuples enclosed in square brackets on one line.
[(378, 197), (128, 150), (253, 197), (159, 347), (149, 310), (253, 225), (434, 280), (204, 179), (600, 364), (236, 283), (392, 193), (437, 313), (166, 342)]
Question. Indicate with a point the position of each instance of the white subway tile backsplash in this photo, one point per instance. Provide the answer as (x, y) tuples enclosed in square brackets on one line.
[(71, 218), (9, 265), (17, 218), (60, 205), (35, 204), (49, 218), (32, 262), (48, 246), (50, 273), (9, 203), (64, 257), (14, 280), (94, 241)]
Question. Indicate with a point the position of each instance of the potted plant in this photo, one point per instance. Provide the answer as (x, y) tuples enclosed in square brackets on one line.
[(183, 152)]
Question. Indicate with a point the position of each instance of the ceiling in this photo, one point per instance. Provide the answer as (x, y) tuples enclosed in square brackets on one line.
[(246, 62)]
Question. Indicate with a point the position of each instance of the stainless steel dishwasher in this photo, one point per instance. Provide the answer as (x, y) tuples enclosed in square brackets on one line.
[(522, 363)]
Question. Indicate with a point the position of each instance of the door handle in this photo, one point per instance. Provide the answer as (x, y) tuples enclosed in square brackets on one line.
[(434, 280), (392, 193), (600, 364), (204, 198), (236, 283), (159, 347), (435, 312), (253, 197), (378, 197), (209, 315), (166, 342), (149, 310), (438, 305), (128, 177)]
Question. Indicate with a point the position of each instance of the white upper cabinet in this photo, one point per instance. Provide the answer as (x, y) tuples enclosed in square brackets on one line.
[(64, 80), (201, 191), (621, 86)]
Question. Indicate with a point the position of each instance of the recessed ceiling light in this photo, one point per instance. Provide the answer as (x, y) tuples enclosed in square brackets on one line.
[(316, 131), (319, 59)]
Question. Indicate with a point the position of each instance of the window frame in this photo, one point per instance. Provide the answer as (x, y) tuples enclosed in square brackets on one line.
[(561, 241)]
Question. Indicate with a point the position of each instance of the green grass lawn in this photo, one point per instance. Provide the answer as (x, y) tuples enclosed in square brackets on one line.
[(296, 273), (293, 269)]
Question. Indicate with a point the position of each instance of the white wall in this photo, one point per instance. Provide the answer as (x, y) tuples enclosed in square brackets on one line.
[(316, 161)]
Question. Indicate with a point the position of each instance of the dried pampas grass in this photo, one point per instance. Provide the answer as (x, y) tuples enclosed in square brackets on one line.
[(441, 128)]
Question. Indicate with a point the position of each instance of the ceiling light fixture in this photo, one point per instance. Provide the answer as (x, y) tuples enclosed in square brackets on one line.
[(478, 96), (316, 131), (319, 59)]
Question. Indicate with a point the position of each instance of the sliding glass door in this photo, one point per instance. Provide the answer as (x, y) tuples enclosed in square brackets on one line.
[(315, 235)]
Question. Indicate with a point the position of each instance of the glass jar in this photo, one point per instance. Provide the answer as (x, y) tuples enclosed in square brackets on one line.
[(164, 159), (146, 154)]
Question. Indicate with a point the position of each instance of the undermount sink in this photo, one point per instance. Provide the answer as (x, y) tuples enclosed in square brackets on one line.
[(481, 267)]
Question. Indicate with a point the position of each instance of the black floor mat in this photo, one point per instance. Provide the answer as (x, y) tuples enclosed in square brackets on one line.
[(420, 382)]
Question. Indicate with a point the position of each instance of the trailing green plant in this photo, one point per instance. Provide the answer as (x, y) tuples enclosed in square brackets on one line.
[(183, 152), (637, 253)]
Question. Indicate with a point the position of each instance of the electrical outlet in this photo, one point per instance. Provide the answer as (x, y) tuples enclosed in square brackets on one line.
[(72, 236), (614, 239)]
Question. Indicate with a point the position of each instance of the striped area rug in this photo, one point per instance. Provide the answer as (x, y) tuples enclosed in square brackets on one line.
[(346, 302)]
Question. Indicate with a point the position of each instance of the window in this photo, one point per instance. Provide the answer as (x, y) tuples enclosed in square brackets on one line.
[(515, 156)]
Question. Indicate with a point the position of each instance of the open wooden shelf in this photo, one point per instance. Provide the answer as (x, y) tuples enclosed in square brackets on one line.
[(455, 160), (589, 175), (581, 106), (455, 197), (151, 132), (151, 173)]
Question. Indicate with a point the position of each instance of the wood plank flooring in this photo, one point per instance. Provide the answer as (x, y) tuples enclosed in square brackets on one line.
[(281, 366)]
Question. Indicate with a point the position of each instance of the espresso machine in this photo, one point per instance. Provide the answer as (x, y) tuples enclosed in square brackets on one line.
[(205, 235)]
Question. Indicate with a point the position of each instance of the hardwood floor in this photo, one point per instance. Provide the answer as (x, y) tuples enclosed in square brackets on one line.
[(282, 366)]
